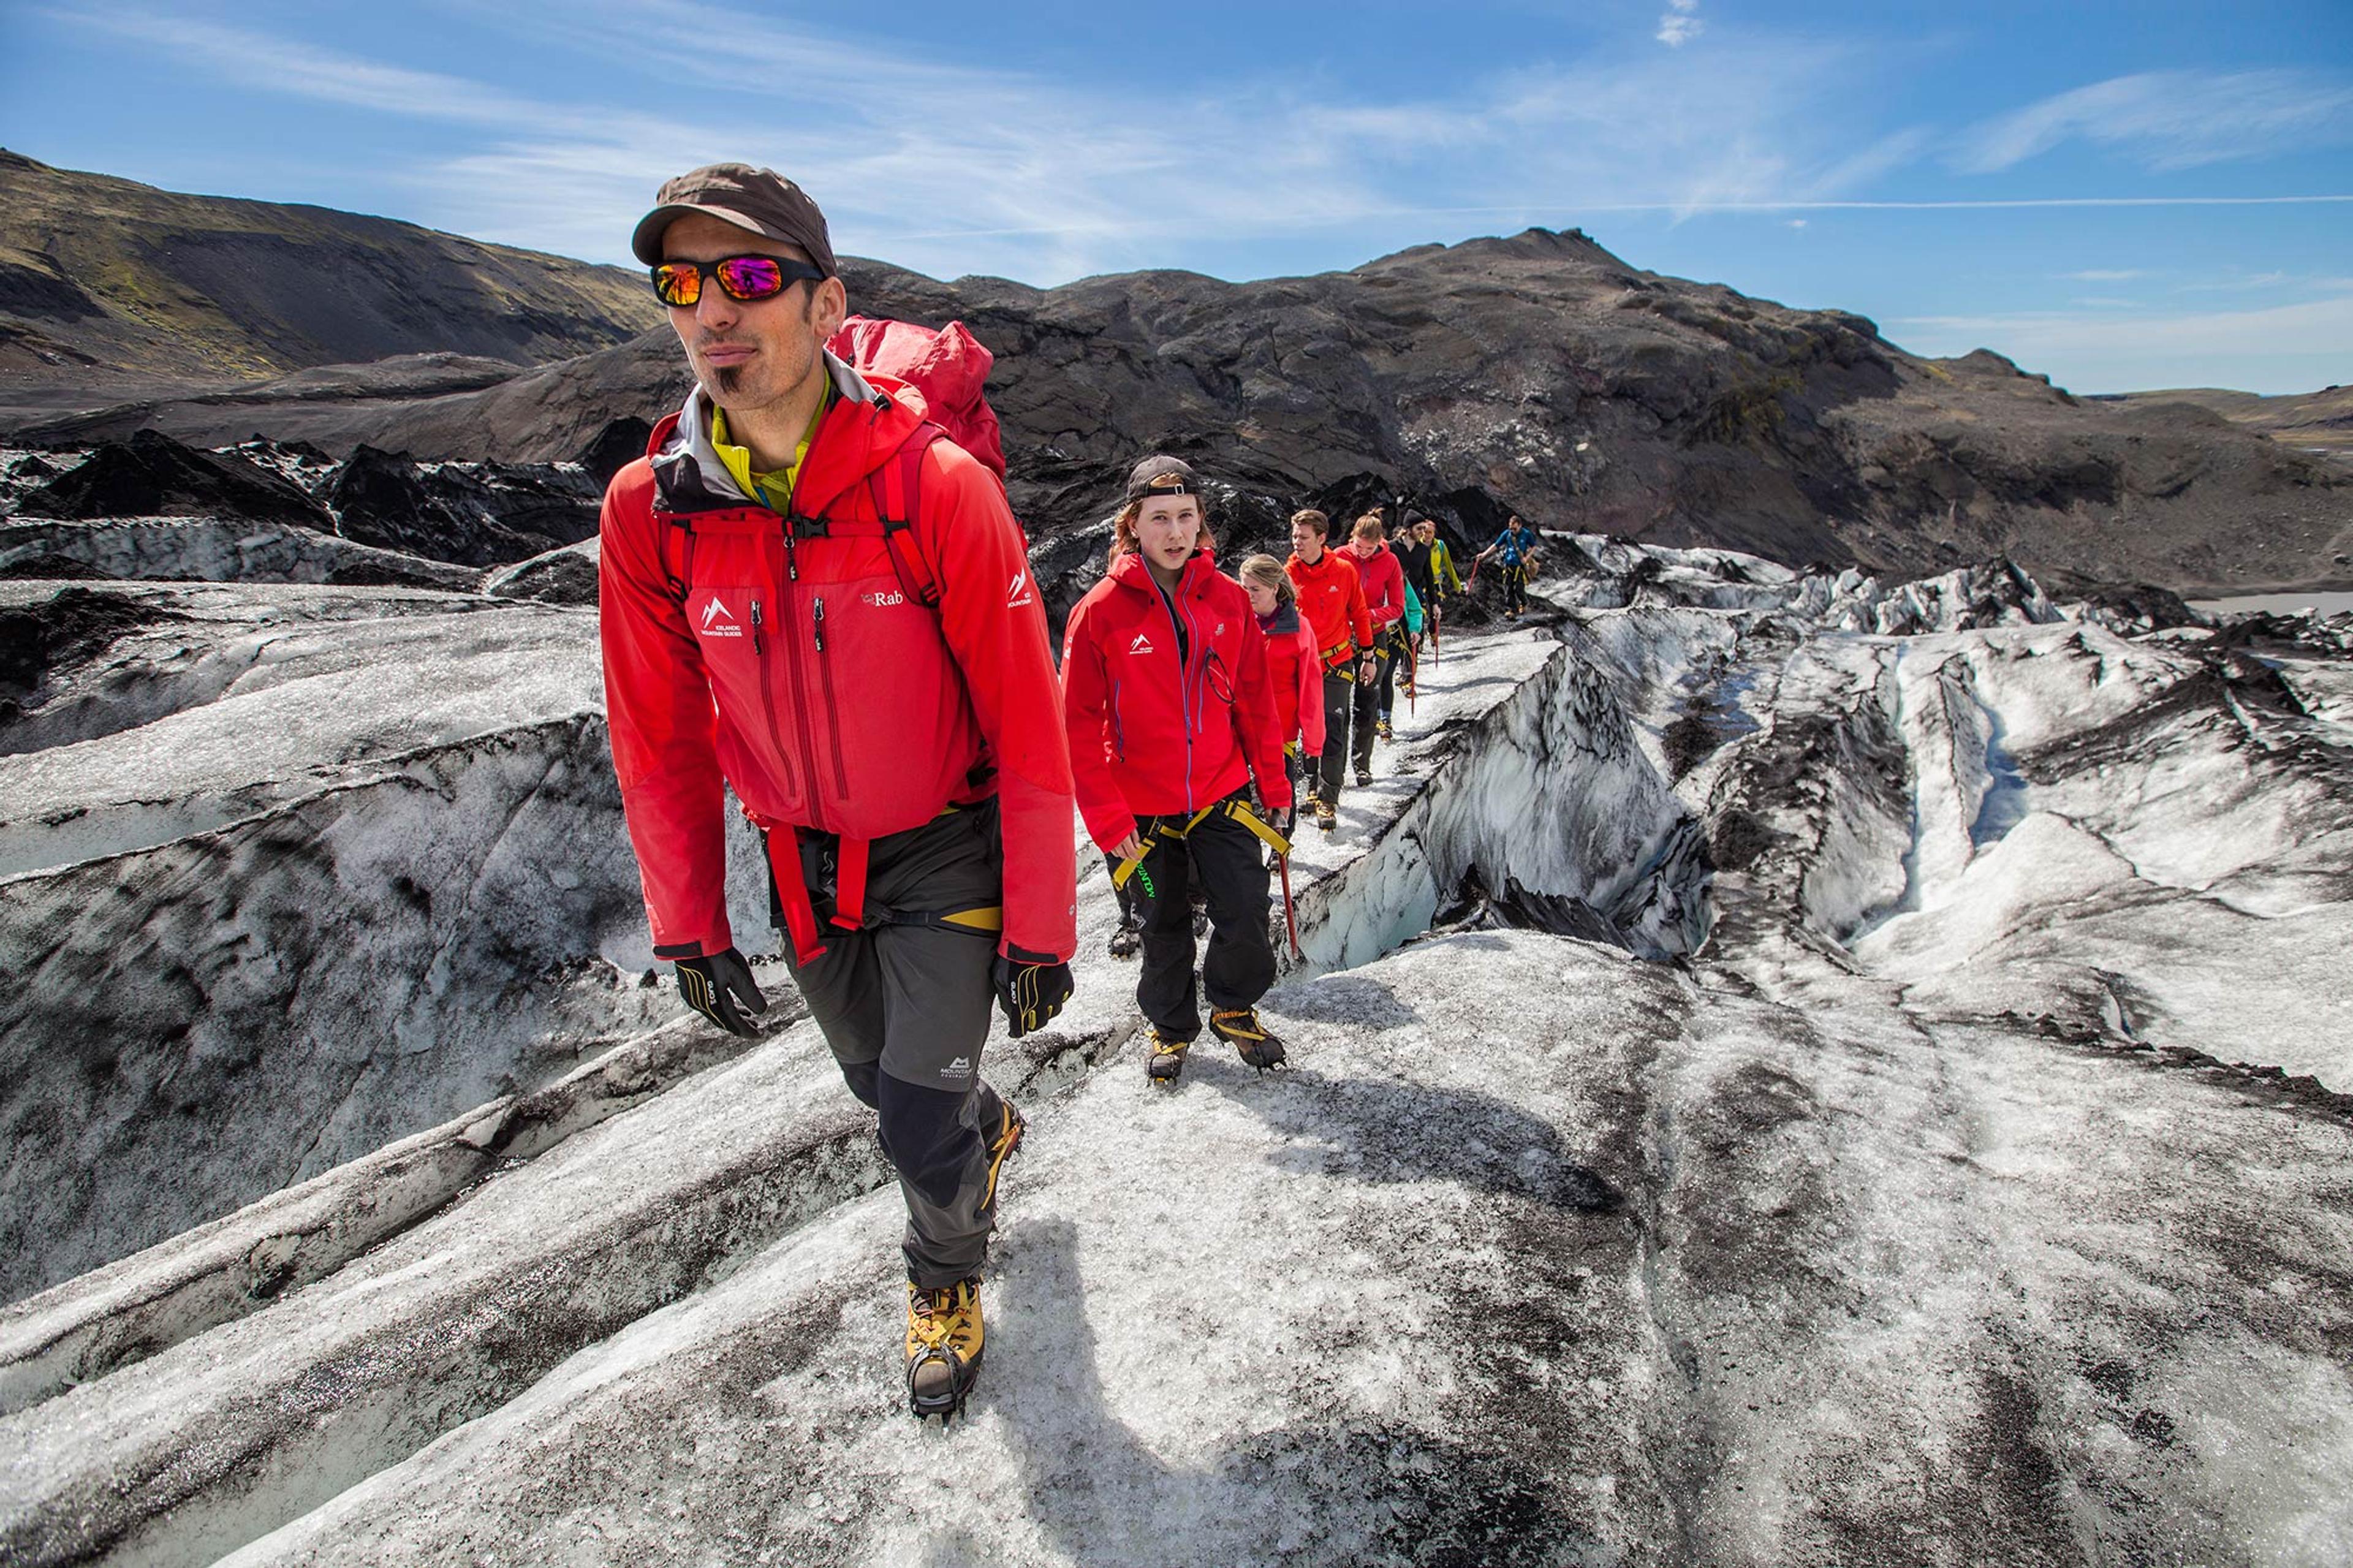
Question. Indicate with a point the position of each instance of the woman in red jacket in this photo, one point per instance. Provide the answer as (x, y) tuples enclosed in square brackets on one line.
[(1164, 693), (1293, 668), (1384, 580)]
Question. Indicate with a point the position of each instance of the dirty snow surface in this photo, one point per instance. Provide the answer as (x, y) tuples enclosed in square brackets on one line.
[(1786, 1069)]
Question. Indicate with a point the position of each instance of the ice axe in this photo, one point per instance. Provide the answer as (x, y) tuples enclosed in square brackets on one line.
[(1290, 915)]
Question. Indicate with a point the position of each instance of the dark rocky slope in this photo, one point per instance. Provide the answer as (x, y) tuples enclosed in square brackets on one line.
[(376, 517), (1538, 373), (105, 281), (1541, 373)]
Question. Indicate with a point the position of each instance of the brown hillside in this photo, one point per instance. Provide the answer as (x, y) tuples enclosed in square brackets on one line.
[(111, 282)]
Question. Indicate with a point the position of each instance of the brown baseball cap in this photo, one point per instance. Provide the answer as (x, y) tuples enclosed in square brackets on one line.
[(759, 200), (1160, 475)]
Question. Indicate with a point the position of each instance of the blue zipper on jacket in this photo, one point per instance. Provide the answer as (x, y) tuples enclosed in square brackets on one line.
[(1168, 600)]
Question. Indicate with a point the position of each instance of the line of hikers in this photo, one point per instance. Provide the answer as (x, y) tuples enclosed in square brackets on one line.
[(813, 594)]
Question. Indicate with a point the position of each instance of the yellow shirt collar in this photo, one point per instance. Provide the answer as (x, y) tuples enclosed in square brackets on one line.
[(772, 487)]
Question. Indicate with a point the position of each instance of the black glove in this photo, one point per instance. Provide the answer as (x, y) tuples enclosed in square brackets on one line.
[(1031, 994), (719, 987)]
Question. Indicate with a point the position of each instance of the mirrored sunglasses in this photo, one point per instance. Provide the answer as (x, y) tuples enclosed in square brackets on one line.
[(679, 283)]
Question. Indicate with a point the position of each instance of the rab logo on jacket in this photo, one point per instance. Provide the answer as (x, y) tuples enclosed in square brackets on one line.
[(1019, 594), (718, 623), (1143, 644)]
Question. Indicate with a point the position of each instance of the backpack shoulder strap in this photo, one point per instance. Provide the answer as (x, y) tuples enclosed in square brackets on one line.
[(897, 488), (680, 583)]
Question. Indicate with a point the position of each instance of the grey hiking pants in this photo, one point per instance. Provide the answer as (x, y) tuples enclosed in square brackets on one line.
[(904, 1003)]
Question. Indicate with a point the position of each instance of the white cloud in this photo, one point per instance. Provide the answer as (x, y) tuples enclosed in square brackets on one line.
[(952, 169), (2105, 275), (1680, 23), (2172, 120), (1794, 222), (1004, 172), (271, 63), (2250, 282)]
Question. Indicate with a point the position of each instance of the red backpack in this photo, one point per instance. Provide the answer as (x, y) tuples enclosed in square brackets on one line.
[(950, 368)]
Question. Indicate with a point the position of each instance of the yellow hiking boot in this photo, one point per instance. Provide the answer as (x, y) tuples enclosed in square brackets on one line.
[(944, 1346)]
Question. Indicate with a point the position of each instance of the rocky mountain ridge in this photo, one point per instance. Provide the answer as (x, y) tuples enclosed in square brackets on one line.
[(108, 284), (1538, 372), (2312, 421)]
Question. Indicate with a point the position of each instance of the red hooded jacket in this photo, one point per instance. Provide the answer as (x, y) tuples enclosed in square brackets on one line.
[(1333, 599), (1150, 736), (1384, 580), (1296, 675), (788, 660)]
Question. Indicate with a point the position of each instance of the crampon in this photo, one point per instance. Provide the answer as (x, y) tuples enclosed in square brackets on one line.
[(1258, 1048), (1168, 1059)]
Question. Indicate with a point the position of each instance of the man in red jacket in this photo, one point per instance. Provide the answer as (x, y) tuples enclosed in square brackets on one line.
[(880, 698), (1333, 603)]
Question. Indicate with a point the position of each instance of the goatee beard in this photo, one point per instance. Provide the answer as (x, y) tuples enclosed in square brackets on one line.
[(729, 378)]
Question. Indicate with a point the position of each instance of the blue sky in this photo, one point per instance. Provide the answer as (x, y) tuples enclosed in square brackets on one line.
[(2122, 196)]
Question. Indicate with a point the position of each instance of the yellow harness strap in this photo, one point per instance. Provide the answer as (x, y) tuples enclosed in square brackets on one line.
[(991, 918), (1240, 812), (1191, 823)]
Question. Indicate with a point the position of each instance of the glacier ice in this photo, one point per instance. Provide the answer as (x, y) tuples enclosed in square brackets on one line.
[(1932, 1143)]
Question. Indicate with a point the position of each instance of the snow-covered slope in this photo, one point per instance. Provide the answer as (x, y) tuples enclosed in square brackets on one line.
[(1928, 1145)]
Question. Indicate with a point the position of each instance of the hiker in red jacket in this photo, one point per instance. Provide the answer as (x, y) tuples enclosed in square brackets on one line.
[(1164, 693), (1333, 600), (1294, 671), (1384, 579), (811, 596)]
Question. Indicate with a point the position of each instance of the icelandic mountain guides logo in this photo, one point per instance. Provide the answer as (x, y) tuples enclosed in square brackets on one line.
[(1143, 644), (717, 622), (1019, 594)]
